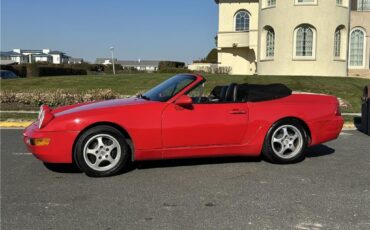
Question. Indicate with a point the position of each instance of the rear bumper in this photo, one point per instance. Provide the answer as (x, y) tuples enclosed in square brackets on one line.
[(59, 149), (327, 130)]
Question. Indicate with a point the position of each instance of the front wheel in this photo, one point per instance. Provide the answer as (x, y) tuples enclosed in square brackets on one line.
[(101, 151), (285, 142)]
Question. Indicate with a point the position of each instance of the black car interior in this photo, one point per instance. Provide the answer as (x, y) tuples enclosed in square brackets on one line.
[(245, 93)]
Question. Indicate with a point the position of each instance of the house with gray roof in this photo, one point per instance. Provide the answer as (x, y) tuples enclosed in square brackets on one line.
[(105, 61), (141, 65), (75, 60), (33, 56), (13, 57)]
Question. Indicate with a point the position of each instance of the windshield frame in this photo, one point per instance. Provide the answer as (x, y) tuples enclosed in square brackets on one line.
[(194, 81)]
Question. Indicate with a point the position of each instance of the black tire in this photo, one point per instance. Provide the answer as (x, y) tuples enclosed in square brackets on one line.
[(83, 160), (269, 150)]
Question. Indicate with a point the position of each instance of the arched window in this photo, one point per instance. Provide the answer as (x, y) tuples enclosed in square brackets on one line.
[(306, 1), (242, 21), (356, 57), (270, 42), (337, 42), (304, 41), (363, 5), (271, 2)]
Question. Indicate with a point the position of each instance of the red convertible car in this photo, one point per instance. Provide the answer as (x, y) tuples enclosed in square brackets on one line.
[(176, 120)]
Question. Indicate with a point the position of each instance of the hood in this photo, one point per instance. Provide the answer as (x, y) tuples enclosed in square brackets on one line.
[(99, 105)]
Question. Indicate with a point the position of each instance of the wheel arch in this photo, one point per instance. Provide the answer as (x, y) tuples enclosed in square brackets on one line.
[(301, 121), (121, 129)]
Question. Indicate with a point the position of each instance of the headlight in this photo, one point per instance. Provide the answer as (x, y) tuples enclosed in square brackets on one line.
[(45, 116), (41, 118), (40, 112)]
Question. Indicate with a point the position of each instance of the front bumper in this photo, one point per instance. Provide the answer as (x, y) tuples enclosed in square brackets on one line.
[(59, 149)]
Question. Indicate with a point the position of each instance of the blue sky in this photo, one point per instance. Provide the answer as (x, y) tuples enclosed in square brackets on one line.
[(182, 30)]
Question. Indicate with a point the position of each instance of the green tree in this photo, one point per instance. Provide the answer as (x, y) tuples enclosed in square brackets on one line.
[(212, 56)]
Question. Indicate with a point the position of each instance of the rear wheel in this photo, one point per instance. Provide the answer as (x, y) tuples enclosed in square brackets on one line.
[(101, 151), (285, 142)]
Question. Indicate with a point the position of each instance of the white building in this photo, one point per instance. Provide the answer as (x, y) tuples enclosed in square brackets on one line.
[(297, 37), (141, 65), (33, 56), (13, 56)]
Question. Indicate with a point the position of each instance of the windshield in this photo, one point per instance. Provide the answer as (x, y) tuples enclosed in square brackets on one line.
[(169, 88)]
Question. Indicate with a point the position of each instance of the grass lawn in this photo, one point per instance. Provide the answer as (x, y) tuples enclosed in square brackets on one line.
[(18, 116), (349, 89)]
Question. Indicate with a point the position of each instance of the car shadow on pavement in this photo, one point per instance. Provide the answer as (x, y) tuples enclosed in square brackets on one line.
[(316, 151), (63, 168), (319, 151), (194, 162)]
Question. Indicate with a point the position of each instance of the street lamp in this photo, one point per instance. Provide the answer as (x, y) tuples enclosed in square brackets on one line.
[(112, 51)]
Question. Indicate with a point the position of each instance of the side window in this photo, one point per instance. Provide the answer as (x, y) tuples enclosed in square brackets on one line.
[(197, 91), (219, 95), (197, 94)]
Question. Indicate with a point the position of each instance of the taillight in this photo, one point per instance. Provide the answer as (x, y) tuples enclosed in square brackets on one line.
[(338, 112)]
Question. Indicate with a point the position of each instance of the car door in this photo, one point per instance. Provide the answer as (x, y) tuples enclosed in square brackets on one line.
[(204, 124)]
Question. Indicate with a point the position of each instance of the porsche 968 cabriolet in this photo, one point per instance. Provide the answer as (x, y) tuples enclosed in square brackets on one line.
[(177, 120)]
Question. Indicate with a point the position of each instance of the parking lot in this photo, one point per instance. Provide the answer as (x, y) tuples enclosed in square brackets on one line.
[(329, 190)]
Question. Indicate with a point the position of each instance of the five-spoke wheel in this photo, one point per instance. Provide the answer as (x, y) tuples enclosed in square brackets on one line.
[(285, 142), (101, 151)]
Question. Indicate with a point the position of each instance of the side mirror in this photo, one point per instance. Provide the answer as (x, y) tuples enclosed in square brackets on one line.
[(184, 100)]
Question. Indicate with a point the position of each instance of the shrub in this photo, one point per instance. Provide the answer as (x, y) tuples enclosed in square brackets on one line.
[(174, 70), (170, 65), (223, 70), (87, 67), (19, 70), (212, 56), (32, 70), (109, 68), (56, 98), (47, 69), (59, 71)]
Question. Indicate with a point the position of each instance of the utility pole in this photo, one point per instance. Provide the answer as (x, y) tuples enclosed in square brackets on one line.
[(112, 51)]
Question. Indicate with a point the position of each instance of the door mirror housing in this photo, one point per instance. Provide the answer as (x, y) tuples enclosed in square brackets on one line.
[(184, 101)]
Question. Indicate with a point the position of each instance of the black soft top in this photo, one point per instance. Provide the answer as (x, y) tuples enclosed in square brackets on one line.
[(255, 93)]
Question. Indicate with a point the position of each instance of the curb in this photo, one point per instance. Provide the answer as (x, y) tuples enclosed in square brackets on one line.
[(24, 124), (15, 124), (349, 126)]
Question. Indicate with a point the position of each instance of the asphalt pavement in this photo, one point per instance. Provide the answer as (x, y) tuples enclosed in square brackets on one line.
[(329, 190)]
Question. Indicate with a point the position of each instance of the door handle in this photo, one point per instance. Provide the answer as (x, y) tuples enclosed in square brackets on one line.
[(237, 111)]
